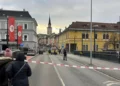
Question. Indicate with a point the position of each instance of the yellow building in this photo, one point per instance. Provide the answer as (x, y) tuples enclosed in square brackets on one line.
[(77, 36)]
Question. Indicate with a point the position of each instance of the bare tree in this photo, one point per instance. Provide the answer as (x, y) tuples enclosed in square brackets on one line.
[(113, 41)]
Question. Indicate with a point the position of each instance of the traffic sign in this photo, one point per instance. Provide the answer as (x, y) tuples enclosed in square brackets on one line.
[(21, 45)]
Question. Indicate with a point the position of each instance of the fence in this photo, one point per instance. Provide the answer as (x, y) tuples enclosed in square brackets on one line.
[(110, 56)]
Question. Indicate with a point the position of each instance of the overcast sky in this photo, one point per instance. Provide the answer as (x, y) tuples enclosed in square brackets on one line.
[(64, 12)]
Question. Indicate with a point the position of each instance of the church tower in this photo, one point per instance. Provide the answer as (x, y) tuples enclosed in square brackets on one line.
[(49, 28)]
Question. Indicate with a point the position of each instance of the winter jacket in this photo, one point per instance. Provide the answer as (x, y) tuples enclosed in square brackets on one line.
[(22, 78)]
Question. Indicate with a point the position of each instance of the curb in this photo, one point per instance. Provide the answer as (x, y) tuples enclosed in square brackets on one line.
[(33, 57)]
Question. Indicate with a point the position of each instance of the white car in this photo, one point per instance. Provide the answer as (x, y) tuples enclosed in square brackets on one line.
[(31, 52)]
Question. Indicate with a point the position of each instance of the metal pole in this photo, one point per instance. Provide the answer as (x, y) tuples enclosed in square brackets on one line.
[(7, 34), (119, 35), (82, 44), (119, 41), (17, 37), (94, 42), (74, 42), (91, 36)]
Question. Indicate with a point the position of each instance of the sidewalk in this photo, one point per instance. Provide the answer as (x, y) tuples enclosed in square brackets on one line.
[(96, 62)]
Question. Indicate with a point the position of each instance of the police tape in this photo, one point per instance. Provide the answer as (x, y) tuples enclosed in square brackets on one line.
[(74, 66)]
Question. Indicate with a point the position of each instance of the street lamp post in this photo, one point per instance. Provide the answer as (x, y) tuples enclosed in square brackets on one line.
[(94, 42), (119, 38), (7, 34), (82, 44), (91, 36)]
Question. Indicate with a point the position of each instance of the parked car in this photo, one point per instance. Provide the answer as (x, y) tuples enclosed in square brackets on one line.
[(31, 52), (40, 51)]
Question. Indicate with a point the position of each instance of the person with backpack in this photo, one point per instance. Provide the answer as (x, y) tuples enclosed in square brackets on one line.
[(18, 71)]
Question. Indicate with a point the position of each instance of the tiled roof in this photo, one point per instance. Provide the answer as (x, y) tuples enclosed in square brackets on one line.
[(5, 13), (86, 25)]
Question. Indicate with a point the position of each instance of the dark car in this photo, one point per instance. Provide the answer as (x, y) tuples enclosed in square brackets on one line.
[(40, 51)]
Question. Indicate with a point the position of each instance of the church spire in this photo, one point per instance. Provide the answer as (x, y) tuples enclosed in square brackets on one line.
[(49, 28), (49, 23)]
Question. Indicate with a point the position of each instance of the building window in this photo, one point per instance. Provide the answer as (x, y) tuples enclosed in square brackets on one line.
[(85, 35), (0, 26), (25, 37), (5, 36), (85, 47), (96, 47), (33, 26), (117, 45), (25, 26), (95, 36), (5, 25), (105, 36)]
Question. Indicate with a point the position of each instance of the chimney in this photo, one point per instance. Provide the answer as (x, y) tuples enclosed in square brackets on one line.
[(59, 30)]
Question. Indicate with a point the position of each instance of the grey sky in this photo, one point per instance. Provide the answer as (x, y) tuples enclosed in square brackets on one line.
[(64, 12)]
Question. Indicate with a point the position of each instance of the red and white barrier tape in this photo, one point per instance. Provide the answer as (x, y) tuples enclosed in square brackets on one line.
[(75, 66)]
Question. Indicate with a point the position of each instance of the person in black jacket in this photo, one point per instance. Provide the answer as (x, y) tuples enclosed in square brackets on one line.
[(65, 54), (21, 79)]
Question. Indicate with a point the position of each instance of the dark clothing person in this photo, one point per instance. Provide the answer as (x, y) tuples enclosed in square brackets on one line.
[(65, 54), (49, 51), (3, 75), (59, 51), (21, 78)]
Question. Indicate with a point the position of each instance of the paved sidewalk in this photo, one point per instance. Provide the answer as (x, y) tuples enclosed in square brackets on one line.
[(96, 62)]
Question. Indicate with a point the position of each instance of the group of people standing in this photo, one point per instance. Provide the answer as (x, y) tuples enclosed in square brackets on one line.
[(16, 72), (64, 51)]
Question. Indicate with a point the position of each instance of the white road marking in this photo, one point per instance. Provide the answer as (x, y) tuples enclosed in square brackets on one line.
[(110, 83), (114, 83), (63, 84)]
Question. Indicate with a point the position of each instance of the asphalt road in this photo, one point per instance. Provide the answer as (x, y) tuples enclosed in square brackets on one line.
[(49, 75)]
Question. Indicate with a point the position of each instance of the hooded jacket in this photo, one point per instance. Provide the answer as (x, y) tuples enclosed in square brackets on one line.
[(22, 78)]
